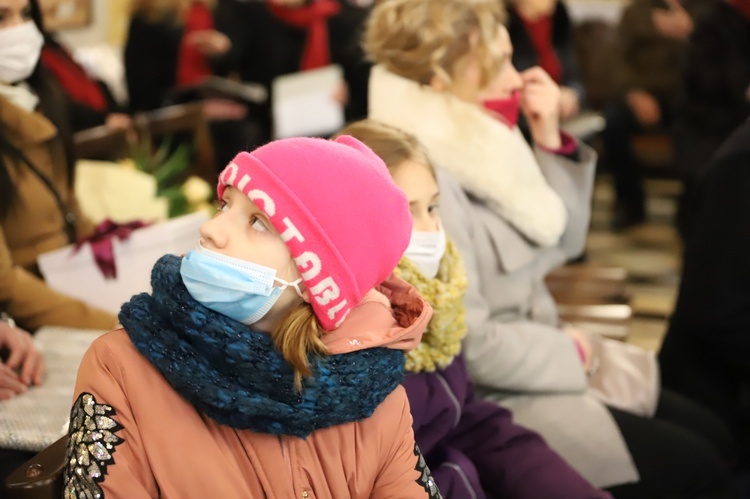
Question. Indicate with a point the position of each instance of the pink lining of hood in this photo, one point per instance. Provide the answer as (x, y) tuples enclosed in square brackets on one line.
[(393, 315)]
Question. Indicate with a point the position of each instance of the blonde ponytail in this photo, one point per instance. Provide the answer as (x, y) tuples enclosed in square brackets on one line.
[(297, 337)]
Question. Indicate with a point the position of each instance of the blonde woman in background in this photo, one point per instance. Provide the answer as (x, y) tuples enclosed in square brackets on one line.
[(445, 75)]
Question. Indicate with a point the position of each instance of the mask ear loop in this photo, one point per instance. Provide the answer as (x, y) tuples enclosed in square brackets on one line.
[(294, 284)]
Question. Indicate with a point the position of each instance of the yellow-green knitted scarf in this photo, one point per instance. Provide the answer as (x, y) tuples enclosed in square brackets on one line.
[(441, 341)]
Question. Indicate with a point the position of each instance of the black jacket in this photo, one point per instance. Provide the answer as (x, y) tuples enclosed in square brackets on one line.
[(151, 54), (264, 47), (713, 307), (524, 53), (717, 77)]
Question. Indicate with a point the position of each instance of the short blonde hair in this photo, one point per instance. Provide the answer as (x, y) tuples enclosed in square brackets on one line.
[(420, 39), (392, 145)]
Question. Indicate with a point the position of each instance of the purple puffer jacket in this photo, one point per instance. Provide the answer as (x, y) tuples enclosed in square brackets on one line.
[(475, 450)]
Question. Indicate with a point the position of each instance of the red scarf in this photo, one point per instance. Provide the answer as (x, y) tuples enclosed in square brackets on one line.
[(192, 66), (74, 80), (743, 6), (313, 18), (540, 32)]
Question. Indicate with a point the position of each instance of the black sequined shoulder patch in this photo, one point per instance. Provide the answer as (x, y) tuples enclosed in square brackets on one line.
[(425, 479), (91, 443)]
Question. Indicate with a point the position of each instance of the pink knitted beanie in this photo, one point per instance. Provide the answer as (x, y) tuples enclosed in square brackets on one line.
[(337, 209)]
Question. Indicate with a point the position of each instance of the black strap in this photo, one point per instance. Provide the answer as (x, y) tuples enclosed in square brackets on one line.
[(68, 216)]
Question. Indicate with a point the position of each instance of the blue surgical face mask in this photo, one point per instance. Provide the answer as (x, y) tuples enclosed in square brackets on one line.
[(239, 289)]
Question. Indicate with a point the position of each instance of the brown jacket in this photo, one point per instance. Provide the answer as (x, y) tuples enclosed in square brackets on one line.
[(168, 449), (35, 225), (648, 60)]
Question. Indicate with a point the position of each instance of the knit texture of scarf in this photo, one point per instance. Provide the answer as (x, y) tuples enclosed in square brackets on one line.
[(441, 341), (237, 377)]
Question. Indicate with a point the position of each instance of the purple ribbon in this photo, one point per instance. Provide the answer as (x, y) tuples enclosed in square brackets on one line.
[(101, 243)]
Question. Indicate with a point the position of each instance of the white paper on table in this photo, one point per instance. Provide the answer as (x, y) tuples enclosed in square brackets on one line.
[(76, 274), (303, 103), (35, 419)]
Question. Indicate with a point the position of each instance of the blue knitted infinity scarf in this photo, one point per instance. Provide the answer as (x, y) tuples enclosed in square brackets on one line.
[(237, 377)]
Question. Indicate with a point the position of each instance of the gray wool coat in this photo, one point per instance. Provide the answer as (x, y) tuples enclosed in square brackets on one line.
[(497, 196), (515, 350)]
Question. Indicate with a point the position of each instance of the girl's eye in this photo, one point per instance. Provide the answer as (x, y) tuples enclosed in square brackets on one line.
[(257, 224), (26, 13), (433, 208), (222, 205)]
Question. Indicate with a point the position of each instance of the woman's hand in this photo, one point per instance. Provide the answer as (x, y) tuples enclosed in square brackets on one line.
[(210, 42), (540, 103), (25, 364), (583, 344), (645, 107), (119, 121), (569, 103)]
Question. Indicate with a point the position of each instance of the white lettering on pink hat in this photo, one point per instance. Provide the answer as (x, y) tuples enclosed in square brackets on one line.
[(326, 292)]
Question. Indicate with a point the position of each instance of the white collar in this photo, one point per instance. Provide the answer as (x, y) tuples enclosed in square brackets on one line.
[(21, 95), (489, 160)]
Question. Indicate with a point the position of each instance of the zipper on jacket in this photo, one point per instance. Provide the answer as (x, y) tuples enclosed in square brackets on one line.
[(453, 398)]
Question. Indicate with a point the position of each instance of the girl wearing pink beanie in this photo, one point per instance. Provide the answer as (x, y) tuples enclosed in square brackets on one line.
[(267, 361)]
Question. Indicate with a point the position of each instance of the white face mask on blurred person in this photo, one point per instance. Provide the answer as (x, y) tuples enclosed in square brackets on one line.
[(426, 250), (20, 47)]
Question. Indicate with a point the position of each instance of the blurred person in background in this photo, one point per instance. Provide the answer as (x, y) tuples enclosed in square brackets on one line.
[(716, 98), (38, 209), (542, 35), (172, 45), (278, 37), (169, 43), (91, 103), (653, 37)]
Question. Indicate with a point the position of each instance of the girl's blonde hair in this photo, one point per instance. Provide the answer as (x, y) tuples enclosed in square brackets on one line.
[(392, 145), (297, 337), (420, 39)]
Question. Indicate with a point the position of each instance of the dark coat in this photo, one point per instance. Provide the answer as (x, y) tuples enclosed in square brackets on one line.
[(82, 115), (525, 55), (705, 351), (264, 47), (647, 60), (717, 78), (151, 54), (713, 307), (474, 448)]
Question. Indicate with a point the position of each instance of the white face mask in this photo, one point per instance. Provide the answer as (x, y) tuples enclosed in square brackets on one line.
[(20, 47), (426, 249)]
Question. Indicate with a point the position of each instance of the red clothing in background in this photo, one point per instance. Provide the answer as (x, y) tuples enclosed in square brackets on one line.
[(192, 65), (72, 77), (540, 32)]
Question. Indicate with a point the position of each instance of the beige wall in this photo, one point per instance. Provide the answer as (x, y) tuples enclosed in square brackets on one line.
[(109, 25), (118, 22)]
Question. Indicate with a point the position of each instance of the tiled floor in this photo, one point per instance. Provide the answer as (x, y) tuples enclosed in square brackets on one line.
[(650, 253)]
